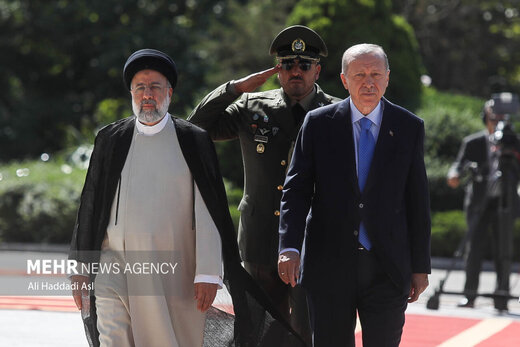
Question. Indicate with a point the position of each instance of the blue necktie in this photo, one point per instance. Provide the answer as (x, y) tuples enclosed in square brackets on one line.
[(366, 147)]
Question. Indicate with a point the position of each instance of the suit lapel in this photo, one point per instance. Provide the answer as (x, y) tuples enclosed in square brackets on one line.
[(343, 133), (385, 145)]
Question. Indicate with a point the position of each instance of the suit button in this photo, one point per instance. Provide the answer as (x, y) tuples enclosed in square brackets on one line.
[(283, 163), (356, 233), (276, 213), (280, 187), (361, 205)]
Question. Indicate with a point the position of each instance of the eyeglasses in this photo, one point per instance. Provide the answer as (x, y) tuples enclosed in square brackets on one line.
[(304, 65), (155, 89)]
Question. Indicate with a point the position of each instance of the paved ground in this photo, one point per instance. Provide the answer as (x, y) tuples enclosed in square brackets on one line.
[(48, 325)]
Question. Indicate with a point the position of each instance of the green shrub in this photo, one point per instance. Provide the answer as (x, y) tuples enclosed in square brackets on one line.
[(39, 201), (28, 213), (449, 228), (448, 118)]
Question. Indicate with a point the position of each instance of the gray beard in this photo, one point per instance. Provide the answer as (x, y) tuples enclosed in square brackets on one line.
[(152, 116)]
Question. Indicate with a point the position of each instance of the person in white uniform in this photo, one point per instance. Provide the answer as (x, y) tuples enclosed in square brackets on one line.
[(142, 204)]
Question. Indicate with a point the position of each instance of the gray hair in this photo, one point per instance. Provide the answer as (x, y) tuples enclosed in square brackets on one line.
[(361, 49)]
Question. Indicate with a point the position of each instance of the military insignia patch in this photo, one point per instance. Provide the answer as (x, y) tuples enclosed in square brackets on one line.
[(264, 131), (256, 116), (298, 45), (260, 148), (253, 128), (275, 130)]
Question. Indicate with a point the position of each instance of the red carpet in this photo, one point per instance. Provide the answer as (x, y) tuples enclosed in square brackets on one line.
[(56, 303), (45, 303), (429, 331), (419, 330), (426, 331)]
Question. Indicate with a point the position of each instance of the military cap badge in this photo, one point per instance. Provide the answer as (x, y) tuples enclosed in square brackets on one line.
[(298, 46)]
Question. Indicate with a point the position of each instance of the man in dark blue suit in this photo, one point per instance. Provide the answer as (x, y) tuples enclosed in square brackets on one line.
[(355, 205)]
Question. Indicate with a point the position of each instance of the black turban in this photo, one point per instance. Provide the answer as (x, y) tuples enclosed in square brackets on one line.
[(150, 59)]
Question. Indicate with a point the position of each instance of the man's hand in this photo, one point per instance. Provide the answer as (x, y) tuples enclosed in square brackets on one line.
[(289, 267), (454, 181), (253, 81), (418, 285), (81, 282), (205, 294)]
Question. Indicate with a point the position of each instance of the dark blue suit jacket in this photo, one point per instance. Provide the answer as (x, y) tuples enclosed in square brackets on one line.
[(322, 206)]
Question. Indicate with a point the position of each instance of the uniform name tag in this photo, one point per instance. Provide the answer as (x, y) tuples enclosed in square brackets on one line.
[(260, 138)]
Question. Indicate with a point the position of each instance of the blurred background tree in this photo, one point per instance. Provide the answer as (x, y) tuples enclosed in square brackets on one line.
[(61, 58)]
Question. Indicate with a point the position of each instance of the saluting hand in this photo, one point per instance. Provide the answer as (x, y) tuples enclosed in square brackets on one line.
[(253, 81), (289, 267), (454, 181)]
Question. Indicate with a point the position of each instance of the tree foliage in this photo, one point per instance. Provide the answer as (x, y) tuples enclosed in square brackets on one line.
[(237, 43), (61, 58), (468, 46), (342, 23)]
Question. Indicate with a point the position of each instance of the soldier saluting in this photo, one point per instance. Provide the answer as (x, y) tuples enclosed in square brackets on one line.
[(267, 123)]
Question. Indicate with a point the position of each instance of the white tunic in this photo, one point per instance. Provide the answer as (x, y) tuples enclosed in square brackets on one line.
[(152, 222)]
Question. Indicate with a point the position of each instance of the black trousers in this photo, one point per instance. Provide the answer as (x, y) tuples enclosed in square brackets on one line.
[(378, 301), (478, 243), (291, 302)]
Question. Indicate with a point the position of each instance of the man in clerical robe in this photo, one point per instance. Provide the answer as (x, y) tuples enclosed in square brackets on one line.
[(142, 204)]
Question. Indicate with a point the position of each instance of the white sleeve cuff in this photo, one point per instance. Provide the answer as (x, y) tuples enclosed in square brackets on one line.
[(289, 250), (209, 279), (452, 174)]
